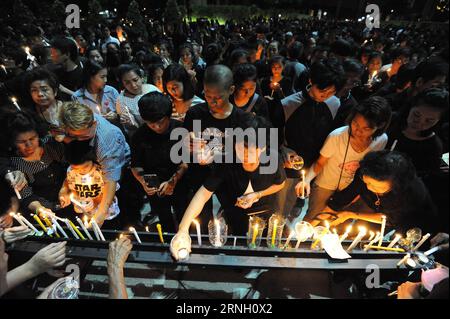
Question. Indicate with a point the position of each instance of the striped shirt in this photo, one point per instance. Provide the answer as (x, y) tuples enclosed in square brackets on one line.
[(108, 104), (111, 149)]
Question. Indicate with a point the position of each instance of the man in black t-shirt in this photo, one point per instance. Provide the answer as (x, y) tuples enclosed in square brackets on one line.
[(150, 154), (243, 188)]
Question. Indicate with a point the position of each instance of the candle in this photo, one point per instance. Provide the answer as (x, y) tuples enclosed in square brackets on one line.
[(22, 218), (66, 221), (147, 229), (73, 200), (345, 235), (400, 250), (394, 145), (383, 227), (97, 235), (274, 231), (234, 241), (3, 68), (14, 101), (38, 220), (97, 229), (76, 230), (361, 234), (84, 228), (319, 237), (374, 240), (289, 239), (424, 238), (371, 234), (217, 223), (199, 234), (403, 260), (303, 183), (59, 228), (335, 231), (159, 228), (17, 219), (255, 234), (396, 239), (133, 230), (326, 224)]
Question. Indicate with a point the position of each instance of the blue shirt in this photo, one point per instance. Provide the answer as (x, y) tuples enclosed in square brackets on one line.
[(111, 149), (108, 104)]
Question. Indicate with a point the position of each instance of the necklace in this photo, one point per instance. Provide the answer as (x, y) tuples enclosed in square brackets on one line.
[(378, 201)]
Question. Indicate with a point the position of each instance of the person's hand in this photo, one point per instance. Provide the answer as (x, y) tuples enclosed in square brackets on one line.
[(100, 217), (46, 292), (192, 74), (303, 186), (118, 253), (246, 201), (441, 240), (16, 233), (205, 156), (166, 189), (409, 290), (3, 267), (6, 221), (150, 191), (64, 199), (49, 257), (180, 241), (288, 156), (16, 179), (343, 217), (110, 116)]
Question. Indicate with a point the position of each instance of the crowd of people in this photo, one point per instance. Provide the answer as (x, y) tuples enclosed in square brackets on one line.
[(88, 124)]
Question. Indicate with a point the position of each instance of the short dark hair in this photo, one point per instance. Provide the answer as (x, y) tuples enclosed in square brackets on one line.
[(276, 59), (90, 69), (176, 72), (41, 74), (255, 122), (218, 74), (295, 50), (398, 52), (430, 69), (189, 46), (79, 152), (236, 55), (390, 166), (327, 73), (154, 106), (15, 123), (342, 48), (376, 111), (243, 73), (66, 46), (351, 65), (436, 98), (125, 68)]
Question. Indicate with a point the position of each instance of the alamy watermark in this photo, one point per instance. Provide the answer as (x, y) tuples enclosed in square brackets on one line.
[(373, 16)]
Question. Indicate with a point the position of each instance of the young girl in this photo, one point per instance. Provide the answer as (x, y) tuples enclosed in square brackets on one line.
[(277, 86)]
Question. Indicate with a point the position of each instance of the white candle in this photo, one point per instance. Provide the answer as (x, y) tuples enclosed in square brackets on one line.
[(303, 183), (133, 230), (13, 215), (361, 234), (396, 239), (383, 227), (234, 241), (286, 245), (394, 145), (217, 223), (66, 221), (374, 240), (3, 68), (345, 235), (424, 238), (100, 234), (84, 228), (403, 260), (97, 235), (29, 224), (58, 226), (371, 234), (199, 234), (14, 101)]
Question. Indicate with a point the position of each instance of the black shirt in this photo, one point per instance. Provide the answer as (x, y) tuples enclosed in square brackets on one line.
[(70, 80), (151, 151), (259, 106), (230, 181), (425, 154), (307, 128), (410, 208)]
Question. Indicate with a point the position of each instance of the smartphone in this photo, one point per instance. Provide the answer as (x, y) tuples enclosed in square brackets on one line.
[(152, 180)]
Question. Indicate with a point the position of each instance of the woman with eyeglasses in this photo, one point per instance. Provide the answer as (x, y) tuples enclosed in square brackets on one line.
[(385, 184), (40, 160), (344, 148)]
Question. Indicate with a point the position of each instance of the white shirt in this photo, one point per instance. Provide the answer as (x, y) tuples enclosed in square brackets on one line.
[(334, 149)]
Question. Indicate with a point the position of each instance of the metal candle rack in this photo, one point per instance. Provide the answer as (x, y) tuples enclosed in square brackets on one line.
[(236, 254)]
